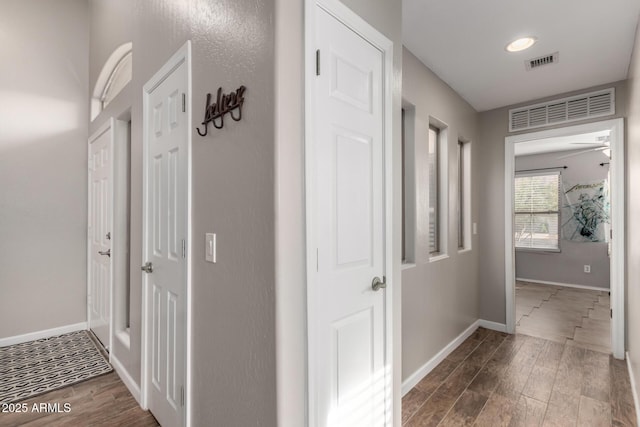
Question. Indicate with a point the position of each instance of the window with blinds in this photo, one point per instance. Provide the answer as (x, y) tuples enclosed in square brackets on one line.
[(537, 214), (434, 190)]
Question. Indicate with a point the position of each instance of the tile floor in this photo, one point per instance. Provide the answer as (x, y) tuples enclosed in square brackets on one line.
[(577, 317), (495, 379)]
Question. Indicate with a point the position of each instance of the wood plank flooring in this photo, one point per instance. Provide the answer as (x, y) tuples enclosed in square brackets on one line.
[(494, 379), (576, 317), (100, 401)]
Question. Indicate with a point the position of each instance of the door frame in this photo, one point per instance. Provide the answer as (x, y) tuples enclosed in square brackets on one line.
[(107, 126), (183, 55), (617, 192), (385, 46)]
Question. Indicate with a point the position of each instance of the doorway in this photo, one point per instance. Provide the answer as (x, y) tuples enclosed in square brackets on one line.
[(348, 184), (562, 249)]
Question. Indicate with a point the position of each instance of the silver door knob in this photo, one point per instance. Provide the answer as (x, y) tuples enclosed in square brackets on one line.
[(107, 252), (147, 267), (378, 284)]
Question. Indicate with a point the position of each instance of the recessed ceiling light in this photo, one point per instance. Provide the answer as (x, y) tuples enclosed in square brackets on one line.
[(521, 44)]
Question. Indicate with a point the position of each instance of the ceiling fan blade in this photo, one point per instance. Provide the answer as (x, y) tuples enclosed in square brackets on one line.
[(566, 156)]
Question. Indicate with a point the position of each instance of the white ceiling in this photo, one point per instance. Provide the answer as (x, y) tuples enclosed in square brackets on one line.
[(463, 42), (584, 141)]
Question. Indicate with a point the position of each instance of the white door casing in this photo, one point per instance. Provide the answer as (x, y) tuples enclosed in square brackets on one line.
[(347, 135), (165, 195), (617, 195), (99, 228)]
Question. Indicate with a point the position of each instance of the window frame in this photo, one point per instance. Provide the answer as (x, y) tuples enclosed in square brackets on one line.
[(525, 174)]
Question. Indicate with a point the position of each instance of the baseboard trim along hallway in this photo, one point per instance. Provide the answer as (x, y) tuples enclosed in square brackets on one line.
[(424, 370), (47, 333), (634, 388), (565, 285)]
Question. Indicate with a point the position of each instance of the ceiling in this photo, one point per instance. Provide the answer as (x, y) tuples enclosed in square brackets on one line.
[(463, 42), (584, 141)]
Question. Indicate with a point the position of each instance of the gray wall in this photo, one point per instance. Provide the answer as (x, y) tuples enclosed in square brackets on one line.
[(439, 299), (567, 266), (233, 312), (633, 211), (43, 155), (493, 130)]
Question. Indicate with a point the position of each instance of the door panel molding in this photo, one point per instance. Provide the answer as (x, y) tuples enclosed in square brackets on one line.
[(170, 248), (361, 28)]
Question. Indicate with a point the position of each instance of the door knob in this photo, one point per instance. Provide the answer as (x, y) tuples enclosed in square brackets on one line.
[(378, 284), (107, 252), (147, 267)]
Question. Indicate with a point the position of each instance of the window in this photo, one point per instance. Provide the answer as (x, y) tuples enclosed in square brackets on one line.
[(434, 190), (408, 184), (537, 216), (464, 195), (116, 73)]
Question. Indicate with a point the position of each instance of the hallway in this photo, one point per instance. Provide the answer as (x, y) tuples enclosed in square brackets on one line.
[(495, 379)]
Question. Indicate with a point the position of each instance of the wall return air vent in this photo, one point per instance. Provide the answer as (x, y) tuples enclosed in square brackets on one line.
[(580, 107)]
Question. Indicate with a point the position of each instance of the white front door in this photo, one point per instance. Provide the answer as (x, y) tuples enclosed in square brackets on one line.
[(99, 233), (348, 378), (165, 227)]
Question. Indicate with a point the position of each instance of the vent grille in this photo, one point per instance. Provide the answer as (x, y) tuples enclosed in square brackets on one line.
[(579, 107), (541, 61)]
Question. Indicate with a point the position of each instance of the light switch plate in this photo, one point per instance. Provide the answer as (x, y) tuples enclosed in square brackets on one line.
[(210, 247), (475, 228)]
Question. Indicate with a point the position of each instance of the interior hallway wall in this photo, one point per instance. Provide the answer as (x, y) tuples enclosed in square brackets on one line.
[(567, 266), (633, 212), (233, 312), (494, 128), (439, 299), (43, 156)]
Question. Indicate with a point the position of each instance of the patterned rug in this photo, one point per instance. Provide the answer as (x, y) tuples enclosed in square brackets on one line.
[(36, 367)]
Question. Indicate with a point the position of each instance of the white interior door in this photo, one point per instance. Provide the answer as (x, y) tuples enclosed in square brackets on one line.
[(99, 233), (165, 225), (346, 316)]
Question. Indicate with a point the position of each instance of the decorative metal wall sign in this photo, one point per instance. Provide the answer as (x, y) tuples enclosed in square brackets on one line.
[(225, 103)]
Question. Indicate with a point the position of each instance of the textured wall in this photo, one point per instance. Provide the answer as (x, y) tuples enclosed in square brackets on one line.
[(567, 266), (633, 212), (493, 130), (43, 155), (233, 312), (439, 299)]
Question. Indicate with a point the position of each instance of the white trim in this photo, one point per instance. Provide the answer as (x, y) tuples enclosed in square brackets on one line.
[(617, 186), (566, 285), (103, 78), (438, 257), (382, 43), (182, 55), (634, 388), (47, 333), (422, 372), (126, 378), (494, 326)]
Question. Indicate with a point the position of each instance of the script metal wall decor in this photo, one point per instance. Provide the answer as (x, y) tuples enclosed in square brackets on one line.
[(225, 103)]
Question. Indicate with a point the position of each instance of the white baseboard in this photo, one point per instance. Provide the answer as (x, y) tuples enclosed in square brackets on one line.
[(133, 387), (566, 285), (32, 336), (422, 372), (494, 326), (634, 390)]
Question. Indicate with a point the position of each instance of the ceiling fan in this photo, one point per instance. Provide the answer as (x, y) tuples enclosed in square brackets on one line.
[(602, 144)]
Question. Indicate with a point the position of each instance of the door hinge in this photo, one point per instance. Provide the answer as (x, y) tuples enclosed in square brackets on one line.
[(184, 103), (611, 234), (184, 248), (182, 396), (611, 313), (317, 62), (317, 260)]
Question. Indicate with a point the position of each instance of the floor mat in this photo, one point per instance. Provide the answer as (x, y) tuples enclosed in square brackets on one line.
[(36, 367)]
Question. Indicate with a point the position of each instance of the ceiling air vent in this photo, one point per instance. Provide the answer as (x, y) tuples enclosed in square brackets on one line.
[(565, 110), (553, 58)]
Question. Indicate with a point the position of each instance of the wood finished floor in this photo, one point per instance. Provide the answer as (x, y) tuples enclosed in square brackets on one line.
[(496, 379), (100, 401), (576, 317)]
